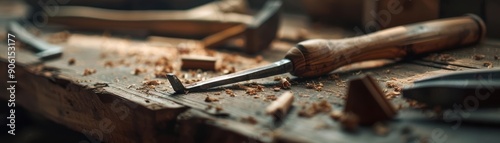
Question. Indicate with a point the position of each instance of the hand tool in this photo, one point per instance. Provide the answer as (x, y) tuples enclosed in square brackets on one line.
[(317, 57), (43, 49), (216, 22), (469, 88)]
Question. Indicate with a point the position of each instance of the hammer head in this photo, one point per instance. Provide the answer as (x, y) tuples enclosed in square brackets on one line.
[(262, 31)]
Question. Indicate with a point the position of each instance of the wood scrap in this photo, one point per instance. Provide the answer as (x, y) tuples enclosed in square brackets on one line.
[(279, 108), (211, 99), (88, 71)]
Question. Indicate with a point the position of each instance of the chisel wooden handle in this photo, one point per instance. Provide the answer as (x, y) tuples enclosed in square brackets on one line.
[(320, 56)]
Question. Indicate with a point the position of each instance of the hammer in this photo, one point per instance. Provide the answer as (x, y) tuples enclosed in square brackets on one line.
[(318, 57)]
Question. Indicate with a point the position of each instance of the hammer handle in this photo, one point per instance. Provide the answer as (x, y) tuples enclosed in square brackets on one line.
[(320, 56)]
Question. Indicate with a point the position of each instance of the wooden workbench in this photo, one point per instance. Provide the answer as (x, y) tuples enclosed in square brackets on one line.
[(111, 106)]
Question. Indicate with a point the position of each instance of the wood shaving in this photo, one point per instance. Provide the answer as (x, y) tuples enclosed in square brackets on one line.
[(319, 107), (315, 86), (151, 82), (335, 76), (229, 92), (108, 64), (88, 71), (488, 65), (335, 115), (271, 97), (138, 71), (285, 84), (446, 58), (211, 99), (276, 88), (218, 108), (250, 120), (259, 59), (71, 61), (349, 121), (380, 129), (391, 84), (478, 57)]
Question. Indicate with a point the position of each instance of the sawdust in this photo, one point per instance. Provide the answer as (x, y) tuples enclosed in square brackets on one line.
[(478, 57)]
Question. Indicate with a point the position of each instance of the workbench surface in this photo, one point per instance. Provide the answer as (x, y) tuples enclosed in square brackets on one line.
[(115, 103)]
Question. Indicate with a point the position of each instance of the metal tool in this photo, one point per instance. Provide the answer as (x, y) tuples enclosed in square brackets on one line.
[(464, 88), (318, 57), (42, 49), (215, 22)]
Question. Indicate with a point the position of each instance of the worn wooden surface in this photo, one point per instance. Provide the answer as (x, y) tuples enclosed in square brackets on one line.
[(110, 106)]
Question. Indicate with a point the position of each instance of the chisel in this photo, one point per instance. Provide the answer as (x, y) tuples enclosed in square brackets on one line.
[(316, 57)]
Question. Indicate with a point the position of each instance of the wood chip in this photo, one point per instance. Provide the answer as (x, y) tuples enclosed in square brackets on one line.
[(88, 71), (108, 64), (250, 120), (211, 99), (138, 71), (335, 115), (230, 92), (380, 129), (349, 121), (478, 57), (151, 82), (276, 88), (279, 108), (218, 108), (271, 97), (71, 61), (318, 107), (446, 58)]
